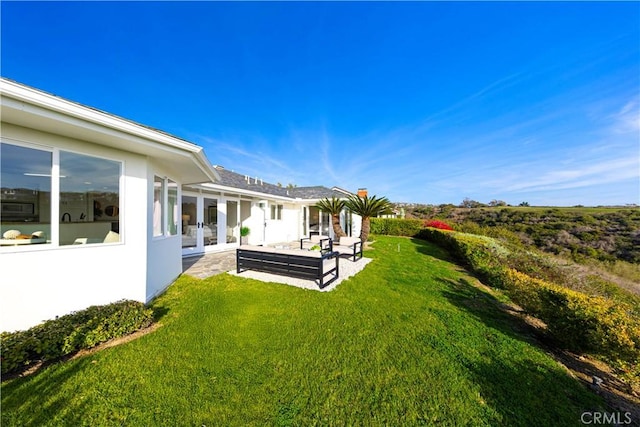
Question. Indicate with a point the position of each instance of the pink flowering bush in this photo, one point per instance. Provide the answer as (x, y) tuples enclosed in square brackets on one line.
[(438, 224)]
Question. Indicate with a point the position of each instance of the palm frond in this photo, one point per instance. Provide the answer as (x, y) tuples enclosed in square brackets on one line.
[(333, 206)]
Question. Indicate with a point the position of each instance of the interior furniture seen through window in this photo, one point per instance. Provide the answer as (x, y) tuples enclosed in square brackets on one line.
[(165, 193), (87, 203), (89, 199), (25, 196)]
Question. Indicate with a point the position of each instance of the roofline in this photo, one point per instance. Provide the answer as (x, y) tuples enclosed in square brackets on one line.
[(28, 95), (219, 187), (342, 190)]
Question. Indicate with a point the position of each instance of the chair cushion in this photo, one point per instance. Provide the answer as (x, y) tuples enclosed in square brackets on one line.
[(112, 237), (348, 241)]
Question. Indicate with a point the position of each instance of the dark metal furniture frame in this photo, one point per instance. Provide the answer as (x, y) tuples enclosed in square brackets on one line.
[(354, 250), (286, 264), (325, 244)]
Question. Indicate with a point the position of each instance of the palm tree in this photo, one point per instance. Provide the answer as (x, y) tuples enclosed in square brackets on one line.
[(333, 206), (367, 207)]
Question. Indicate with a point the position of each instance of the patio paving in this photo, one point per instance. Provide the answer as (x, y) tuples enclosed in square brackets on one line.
[(210, 264), (206, 265)]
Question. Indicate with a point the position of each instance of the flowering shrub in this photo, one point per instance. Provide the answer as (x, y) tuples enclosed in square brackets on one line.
[(434, 223)]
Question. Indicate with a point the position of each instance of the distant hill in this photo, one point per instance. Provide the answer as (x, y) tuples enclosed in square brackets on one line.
[(603, 233)]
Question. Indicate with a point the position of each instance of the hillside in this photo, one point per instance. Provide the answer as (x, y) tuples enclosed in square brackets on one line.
[(605, 234)]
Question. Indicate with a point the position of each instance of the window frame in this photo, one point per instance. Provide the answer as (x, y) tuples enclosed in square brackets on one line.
[(165, 217), (276, 212), (56, 197), (162, 200)]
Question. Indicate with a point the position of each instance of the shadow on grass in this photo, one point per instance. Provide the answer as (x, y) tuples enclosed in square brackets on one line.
[(521, 390), (490, 311), (431, 249), (513, 323), (159, 311), (35, 400)]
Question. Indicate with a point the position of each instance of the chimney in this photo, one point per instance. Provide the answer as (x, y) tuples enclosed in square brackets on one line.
[(362, 192)]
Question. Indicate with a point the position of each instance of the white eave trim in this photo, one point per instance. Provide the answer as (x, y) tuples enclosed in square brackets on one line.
[(23, 97), (50, 102)]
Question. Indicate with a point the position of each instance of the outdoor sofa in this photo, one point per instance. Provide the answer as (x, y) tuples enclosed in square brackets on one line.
[(311, 265)]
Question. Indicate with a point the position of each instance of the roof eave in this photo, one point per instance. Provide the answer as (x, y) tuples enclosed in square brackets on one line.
[(29, 107)]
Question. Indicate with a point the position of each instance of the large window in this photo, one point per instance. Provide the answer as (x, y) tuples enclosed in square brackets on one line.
[(85, 191), (25, 195), (89, 199)]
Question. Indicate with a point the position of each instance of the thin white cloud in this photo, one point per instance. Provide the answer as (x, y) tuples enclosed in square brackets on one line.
[(607, 172), (252, 162), (627, 119)]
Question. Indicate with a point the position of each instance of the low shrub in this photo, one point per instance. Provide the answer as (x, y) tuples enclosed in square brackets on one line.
[(68, 334)]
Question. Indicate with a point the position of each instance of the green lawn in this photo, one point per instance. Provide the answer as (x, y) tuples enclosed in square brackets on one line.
[(408, 341)]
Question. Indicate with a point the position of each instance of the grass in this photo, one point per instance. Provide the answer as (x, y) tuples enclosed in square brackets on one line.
[(408, 341)]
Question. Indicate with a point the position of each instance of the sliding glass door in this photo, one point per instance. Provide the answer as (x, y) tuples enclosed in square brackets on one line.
[(190, 225)]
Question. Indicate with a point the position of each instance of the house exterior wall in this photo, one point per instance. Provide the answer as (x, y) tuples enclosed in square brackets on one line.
[(284, 229), (39, 283), (163, 263), (164, 256)]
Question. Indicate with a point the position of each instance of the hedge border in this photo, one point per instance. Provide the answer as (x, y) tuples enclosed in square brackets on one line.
[(70, 333)]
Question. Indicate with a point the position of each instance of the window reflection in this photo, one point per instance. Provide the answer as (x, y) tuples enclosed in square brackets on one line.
[(25, 195), (173, 208), (158, 203), (89, 199)]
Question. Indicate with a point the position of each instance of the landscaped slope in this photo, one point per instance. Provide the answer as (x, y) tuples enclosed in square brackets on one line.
[(407, 341)]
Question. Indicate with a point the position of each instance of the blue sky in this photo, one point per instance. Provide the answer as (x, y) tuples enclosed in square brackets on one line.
[(426, 102)]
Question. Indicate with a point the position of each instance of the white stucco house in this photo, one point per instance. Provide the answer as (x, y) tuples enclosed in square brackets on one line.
[(95, 208)]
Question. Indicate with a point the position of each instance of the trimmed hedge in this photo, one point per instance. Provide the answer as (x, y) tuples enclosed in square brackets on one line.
[(395, 226), (72, 332), (578, 321), (581, 321)]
